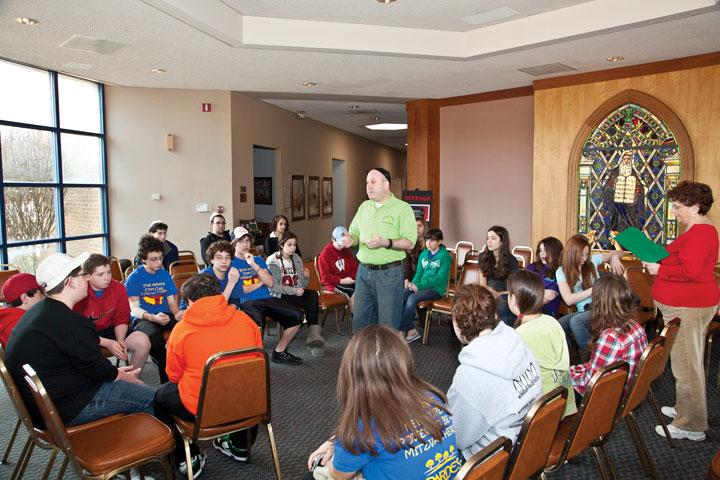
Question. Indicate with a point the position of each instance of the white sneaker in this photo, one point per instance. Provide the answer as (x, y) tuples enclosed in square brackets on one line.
[(669, 412), (134, 475), (680, 434)]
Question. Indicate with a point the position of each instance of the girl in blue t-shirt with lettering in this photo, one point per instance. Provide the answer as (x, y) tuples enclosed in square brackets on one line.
[(410, 434)]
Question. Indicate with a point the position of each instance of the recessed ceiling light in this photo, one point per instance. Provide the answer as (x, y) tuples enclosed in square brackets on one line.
[(354, 107), (301, 114), (615, 58), (158, 71), (27, 21), (385, 2), (309, 84), (387, 126), (376, 118)]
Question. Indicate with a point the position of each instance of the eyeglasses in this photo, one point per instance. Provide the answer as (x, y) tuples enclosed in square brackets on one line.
[(218, 223), (155, 259)]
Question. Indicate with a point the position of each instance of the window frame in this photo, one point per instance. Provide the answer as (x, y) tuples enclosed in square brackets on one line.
[(58, 185)]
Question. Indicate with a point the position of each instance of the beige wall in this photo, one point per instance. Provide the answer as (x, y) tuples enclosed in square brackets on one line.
[(304, 147), (213, 158), (486, 169), (694, 96), (198, 171)]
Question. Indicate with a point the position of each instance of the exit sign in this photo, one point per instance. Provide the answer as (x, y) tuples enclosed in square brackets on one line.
[(207, 107)]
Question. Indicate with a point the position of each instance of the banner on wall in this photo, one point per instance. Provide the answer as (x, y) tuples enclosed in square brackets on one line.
[(420, 201)]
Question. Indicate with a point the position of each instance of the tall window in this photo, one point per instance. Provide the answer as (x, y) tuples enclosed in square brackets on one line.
[(52, 153)]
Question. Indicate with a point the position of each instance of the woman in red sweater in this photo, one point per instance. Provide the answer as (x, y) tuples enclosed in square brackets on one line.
[(685, 287)]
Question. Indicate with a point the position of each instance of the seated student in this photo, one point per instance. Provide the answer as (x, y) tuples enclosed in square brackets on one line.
[(497, 263), (541, 333), (159, 230), (290, 280), (217, 232), (209, 326), (280, 226), (107, 306), (580, 269), (251, 294), (62, 347), (498, 378), (412, 257), (548, 255), (338, 267), (430, 280), (220, 254), (393, 425), (618, 336), (152, 295), (21, 291)]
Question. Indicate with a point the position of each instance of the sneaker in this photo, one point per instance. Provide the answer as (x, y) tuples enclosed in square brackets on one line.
[(198, 462), (669, 412), (226, 447), (134, 475), (317, 351), (285, 357), (411, 338), (679, 433)]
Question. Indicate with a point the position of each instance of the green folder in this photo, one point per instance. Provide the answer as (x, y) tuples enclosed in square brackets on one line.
[(641, 246)]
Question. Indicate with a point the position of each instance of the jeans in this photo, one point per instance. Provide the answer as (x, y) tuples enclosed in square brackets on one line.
[(577, 323), (378, 297), (410, 301), (116, 397)]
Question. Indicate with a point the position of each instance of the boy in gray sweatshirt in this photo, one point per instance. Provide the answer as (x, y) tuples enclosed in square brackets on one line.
[(498, 378)]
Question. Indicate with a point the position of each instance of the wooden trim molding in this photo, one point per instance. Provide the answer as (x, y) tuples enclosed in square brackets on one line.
[(663, 112), (685, 63), (423, 151), (486, 96)]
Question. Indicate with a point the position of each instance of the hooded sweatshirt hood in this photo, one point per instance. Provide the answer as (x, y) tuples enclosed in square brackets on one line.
[(209, 311), (496, 383)]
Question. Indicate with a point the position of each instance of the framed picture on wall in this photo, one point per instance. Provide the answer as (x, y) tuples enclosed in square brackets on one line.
[(263, 191), (327, 197), (298, 197), (313, 197)]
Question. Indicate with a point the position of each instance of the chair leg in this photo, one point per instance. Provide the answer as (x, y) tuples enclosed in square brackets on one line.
[(640, 446), (603, 449), (64, 465), (337, 321), (167, 468), (188, 458), (597, 455), (273, 447), (426, 332), (248, 438), (708, 356), (11, 442), (49, 466), (19, 470), (659, 415)]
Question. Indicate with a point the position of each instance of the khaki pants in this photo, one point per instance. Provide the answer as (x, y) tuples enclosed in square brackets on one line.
[(686, 359)]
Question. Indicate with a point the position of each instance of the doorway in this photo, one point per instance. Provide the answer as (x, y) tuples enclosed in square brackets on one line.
[(264, 184)]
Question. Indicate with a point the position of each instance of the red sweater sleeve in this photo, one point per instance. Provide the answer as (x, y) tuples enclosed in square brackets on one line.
[(328, 272), (122, 308), (692, 255)]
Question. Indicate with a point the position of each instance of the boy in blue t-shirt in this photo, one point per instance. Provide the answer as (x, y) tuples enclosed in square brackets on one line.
[(251, 294), (153, 302), (220, 255)]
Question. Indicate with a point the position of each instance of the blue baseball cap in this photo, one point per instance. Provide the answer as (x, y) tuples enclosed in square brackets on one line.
[(338, 233)]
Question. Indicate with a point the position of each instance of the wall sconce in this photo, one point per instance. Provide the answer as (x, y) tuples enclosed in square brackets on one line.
[(170, 142)]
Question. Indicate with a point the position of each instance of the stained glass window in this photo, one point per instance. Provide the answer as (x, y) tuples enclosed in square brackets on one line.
[(627, 165)]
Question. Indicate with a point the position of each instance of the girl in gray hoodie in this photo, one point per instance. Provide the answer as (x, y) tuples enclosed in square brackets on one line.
[(498, 378)]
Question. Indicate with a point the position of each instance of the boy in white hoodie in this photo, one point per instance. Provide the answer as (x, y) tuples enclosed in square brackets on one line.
[(498, 378)]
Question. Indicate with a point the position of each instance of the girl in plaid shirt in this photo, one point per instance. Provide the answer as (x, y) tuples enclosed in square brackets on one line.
[(618, 336)]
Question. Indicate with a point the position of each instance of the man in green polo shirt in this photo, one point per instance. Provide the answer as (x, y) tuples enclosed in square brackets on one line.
[(384, 228)]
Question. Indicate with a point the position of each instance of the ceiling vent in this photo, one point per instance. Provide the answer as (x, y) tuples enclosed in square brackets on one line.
[(546, 69), (92, 45), (360, 111), (490, 16)]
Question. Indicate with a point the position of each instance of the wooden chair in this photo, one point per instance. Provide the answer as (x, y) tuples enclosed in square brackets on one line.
[(531, 449), (328, 300), (520, 260), (216, 416), (640, 281), (470, 274), (183, 266), (669, 334), (526, 252), (128, 271), (650, 361), (425, 304), (489, 463), (462, 248), (187, 256), (7, 270), (137, 439), (181, 277), (591, 425), (116, 270)]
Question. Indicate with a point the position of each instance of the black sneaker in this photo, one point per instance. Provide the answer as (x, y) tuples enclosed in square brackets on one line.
[(198, 462), (226, 447), (285, 357)]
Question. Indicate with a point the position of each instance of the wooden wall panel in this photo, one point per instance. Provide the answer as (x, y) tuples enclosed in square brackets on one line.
[(694, 96), (423, 151)]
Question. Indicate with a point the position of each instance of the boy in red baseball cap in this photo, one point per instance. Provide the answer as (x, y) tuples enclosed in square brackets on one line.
[(21, 291)]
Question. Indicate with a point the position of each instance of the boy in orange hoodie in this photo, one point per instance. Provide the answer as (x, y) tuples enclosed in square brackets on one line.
[(209, 326)]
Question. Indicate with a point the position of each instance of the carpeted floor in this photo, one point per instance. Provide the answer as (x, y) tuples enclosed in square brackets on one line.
[(304, 414)]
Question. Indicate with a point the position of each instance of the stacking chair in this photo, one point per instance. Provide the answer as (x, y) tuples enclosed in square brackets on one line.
[(669, 334), (591, 425), (650, 362), (640, 281), (216, 416), (181, 277), (11, 441), (489, 463), (128, 271), (525, 252), (462, 248), (7, 270), (117, 273), (522, 263), (183, 266), (425, 304), (531, 449), (470, 274), (102, 449), (187, 255), (328, 300)]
